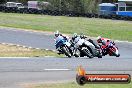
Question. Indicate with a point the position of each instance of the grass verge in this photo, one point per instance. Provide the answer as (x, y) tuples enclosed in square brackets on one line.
[(14, 51), (75, 85), (113, 29)]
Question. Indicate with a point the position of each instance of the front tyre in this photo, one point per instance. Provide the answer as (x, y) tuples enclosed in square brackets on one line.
[(115, 52), (99, 56), (66, 51), (118, 55), (87, 53)]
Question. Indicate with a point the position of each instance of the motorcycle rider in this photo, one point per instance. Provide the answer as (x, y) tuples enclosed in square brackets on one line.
[(58, 37), (90, 40), (105, 43), (75, 39)]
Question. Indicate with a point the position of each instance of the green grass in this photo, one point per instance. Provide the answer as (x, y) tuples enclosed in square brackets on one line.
[(14, 51), (74, 85), (113, 29)]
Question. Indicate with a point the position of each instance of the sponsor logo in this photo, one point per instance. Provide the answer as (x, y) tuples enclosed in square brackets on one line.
[(83, 78)]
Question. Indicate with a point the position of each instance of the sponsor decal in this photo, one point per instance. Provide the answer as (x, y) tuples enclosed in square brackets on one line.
[(83, 78)]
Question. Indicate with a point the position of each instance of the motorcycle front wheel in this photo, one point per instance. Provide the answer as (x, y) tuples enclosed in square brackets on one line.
[(87, 53), (66, 51)]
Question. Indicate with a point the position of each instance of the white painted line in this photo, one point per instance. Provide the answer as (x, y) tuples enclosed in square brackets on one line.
[(30, 47), (11, 44), (46, 49), (37, 48), (56, 69), (3, 43), (24, 46), (18, 45), (49, 56), (54, 50)]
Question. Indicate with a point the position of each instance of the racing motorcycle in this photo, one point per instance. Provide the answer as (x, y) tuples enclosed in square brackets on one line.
[(111, 49), (86, 48), (63, 46)]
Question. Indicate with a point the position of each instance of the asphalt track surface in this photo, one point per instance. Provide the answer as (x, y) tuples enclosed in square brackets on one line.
[(16, 71)]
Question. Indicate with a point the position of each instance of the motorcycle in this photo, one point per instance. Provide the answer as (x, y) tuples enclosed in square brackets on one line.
[(111, 49), (63, 46), (86, 48)]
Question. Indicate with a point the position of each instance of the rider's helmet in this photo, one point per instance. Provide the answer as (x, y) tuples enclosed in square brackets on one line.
[(56, 33), (99, 39), (74, 35), (83, 36)]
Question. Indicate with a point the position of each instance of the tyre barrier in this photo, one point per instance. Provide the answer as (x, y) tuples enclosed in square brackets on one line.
[(62, 13)]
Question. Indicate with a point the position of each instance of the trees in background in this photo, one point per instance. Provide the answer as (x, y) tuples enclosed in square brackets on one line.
[(2, 1), (79, 6)]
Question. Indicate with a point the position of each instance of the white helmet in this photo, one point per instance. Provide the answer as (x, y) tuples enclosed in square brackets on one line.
[(99, 37), (56, 33), (74, 35)]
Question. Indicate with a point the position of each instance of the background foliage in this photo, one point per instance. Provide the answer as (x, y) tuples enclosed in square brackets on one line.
[(79, 6)]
